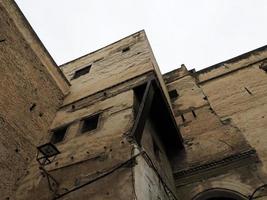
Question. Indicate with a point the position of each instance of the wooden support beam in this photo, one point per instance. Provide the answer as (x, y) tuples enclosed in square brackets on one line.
[(143, 112)]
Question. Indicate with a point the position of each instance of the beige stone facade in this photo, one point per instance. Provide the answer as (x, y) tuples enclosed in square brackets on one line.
[(220, 112), (122, 129)]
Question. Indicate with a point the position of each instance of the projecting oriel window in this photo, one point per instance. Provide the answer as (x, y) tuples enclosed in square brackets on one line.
[(58, 135), (173, 94), (81, 72), (90, 123)]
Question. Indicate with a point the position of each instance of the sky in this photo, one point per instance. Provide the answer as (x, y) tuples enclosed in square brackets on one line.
[(197, 33)]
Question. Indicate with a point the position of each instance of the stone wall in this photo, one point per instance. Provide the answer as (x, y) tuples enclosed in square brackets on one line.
[(114, 64), (29, 96), (86, 156), (104, 163), (242, 97), (221, 114)]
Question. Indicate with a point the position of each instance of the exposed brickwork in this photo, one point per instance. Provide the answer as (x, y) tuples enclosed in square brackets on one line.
[(29, 99)]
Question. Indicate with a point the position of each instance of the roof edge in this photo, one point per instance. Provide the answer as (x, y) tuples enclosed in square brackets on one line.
[(71, 61), (236, 58), (30, 36)]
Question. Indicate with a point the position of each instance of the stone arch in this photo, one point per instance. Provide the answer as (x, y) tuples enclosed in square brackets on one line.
[(220, 194)]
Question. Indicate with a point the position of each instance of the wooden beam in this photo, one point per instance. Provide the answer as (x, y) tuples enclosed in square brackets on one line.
[(143, 112)]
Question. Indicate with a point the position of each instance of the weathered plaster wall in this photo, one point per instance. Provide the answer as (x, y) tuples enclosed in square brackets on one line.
[(239, 177), (190, 95), (242, 96), (29, 96), (218, 154), (118, 185), (206, 136), (147, 183), (221, 114), (106, 89), (86, 156), (156, 152), (110, 66)]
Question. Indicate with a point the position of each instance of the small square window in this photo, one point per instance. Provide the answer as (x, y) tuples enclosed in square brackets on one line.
[(90, 123), (81, 72), (173, 94), (58, 135), (125, 49), (263, 66)]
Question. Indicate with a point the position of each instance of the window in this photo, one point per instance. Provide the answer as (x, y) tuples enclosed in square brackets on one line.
[(81, 72), (90, 123), (173, 94), (125, 49), (58, 135), (264, 66)]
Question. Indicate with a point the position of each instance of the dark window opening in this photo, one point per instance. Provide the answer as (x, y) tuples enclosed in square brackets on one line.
[(173, 94), (73, 107), (81, 72), (90, 123), (58, 135), (264, 66), (125, 49)]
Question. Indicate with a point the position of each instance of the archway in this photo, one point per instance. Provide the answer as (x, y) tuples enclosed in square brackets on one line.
[(221, 198), (219, 194)]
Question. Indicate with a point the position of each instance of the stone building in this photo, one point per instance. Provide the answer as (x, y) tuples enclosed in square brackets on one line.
[(116, 128)]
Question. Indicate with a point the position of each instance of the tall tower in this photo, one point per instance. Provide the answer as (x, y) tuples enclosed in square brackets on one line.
[(115, 130)]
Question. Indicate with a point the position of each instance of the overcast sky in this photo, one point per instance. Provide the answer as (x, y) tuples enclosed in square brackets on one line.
[(198, 33)]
